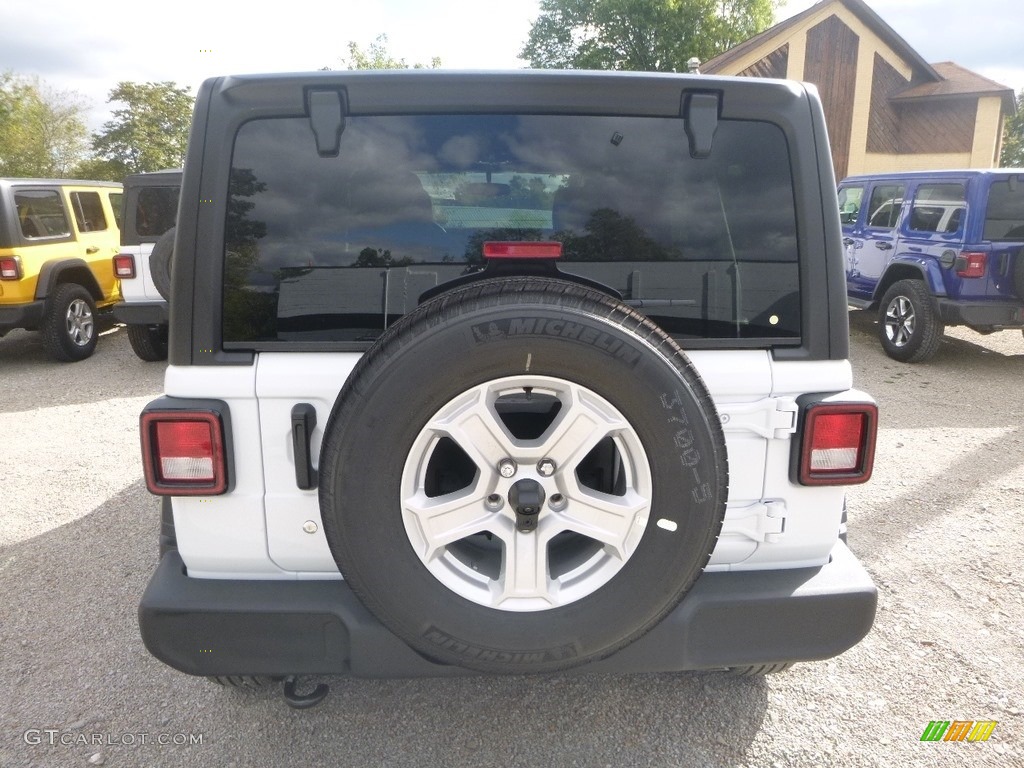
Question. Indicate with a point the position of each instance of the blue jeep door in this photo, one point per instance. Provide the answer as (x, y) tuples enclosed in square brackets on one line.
[(931, 234), (885, 202)]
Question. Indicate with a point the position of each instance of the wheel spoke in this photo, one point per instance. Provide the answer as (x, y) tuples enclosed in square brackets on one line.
[(446, 519), (524, 569), (582, 423), (618, 522), (476, 429)]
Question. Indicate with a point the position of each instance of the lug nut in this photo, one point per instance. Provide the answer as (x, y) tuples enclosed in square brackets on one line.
[(545, 467), (506, 468)]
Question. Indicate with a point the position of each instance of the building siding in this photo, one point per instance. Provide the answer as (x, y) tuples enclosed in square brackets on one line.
[(775, 64), (831, 64)]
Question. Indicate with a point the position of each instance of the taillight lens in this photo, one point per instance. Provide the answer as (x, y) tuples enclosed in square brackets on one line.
[(10, 268), (971, 264), (124, 266), (838, 444), (183, 453)]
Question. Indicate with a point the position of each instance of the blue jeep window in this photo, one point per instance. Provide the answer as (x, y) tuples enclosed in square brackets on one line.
[(1004, 218), (337, 249), (884, 207), (849, 204), (938, 208)]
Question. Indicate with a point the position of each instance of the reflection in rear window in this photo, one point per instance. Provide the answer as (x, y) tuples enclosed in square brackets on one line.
[(1004, 217), (336, 249), (156, 210)]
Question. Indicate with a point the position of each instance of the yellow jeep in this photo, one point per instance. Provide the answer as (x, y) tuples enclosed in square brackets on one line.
[(57, 243)]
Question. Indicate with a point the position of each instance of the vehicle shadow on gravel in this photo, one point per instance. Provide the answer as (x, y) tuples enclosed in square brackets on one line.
[(965, 384), (30, 378), (74, 661)]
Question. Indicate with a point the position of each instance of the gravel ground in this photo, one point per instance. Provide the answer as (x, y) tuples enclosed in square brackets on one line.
[(938, 528)]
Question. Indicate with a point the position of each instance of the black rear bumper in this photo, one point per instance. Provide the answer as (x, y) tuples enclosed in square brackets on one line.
[(29, 315), (141, 313), (981, 314), (730, 619)]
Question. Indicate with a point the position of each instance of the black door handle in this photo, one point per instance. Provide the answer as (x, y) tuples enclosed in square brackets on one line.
[(847, 241), (303, 423), (883, 246)]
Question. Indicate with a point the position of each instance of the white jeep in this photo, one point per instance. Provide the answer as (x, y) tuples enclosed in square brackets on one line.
[(150, 206), (505, 372)]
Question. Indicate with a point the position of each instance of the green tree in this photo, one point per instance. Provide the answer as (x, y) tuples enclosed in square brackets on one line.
[(377, 56), (646, 35), (1012, 155), (149, 132), (42, 131)]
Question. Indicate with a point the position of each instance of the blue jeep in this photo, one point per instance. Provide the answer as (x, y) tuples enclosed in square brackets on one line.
[(934, 248)]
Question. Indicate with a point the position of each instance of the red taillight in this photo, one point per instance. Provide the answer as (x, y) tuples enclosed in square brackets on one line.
[(183, 453), (838, 444), (10, 268), (124, 266), (522, 250), (971, 264)]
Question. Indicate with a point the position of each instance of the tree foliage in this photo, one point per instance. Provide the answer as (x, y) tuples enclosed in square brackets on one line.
[(646, 35), (1012, 155), (377, 56), (148, 133), (42, 132)]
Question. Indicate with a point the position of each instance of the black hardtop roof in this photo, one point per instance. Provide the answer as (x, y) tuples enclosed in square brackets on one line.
[(552, 91), (164, 176)]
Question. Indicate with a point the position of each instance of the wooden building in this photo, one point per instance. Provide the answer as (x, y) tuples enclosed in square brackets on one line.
[(887, 109)]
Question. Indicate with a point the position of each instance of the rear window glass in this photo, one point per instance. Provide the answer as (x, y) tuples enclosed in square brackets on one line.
[(336, 249), (41, 214), (156, 210), (1004, 218)]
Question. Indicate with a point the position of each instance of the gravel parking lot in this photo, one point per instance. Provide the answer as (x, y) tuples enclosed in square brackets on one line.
[(939, 528)]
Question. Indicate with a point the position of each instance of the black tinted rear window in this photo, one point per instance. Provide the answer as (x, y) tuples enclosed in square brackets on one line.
[(156, 210), (337, 248), (1004, 217)]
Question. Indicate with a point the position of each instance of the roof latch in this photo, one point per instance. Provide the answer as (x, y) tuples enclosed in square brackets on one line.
[(327, 110), (700, 111)]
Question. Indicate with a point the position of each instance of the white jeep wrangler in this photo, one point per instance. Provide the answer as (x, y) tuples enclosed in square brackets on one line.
[(505, 372)]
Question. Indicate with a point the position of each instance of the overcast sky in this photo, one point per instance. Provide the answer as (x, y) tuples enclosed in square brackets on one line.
[(90, 47)]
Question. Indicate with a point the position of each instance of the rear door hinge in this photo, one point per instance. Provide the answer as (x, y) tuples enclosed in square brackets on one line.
[(773, 417), (764, 521)]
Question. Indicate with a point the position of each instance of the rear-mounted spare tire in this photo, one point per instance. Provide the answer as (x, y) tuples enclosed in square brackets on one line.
[(522, 475), (160, 263)]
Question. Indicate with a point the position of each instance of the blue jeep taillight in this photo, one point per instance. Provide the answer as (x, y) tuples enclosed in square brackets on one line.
[(971, 264)]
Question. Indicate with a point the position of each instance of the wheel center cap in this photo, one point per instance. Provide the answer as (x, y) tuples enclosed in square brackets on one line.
[(526, 497)]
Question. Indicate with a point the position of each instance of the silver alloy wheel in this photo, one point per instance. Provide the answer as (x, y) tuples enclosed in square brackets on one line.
[(79, 322), (900, 321), (469, 538)]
